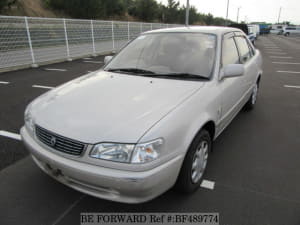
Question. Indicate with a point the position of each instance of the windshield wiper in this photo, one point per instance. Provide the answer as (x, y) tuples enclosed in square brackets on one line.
[(149, 73), (185, 76), (131, 70)]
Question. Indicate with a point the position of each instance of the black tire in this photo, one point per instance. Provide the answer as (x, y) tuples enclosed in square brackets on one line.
[(253, 98), (185, 182)]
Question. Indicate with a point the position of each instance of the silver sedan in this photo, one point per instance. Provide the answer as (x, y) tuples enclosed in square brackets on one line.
[(146, 121)]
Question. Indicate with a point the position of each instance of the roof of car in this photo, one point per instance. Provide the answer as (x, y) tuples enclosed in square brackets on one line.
[(195, 29)]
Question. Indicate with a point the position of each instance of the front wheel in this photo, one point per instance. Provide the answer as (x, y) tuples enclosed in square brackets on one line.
[(252, 100), (194, 164)]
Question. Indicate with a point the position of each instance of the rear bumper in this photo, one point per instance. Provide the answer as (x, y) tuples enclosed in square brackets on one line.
[(106, 183)]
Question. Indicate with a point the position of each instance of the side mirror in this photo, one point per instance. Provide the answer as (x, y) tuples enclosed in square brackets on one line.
[(232, 70), (107, 59)]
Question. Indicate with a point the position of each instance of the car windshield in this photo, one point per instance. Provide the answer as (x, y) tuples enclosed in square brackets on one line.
[(167, 54)]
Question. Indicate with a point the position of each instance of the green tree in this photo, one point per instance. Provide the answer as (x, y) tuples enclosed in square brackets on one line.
[(209, 19), (171, 12), (3, 3), (146, 10), (6, 4)]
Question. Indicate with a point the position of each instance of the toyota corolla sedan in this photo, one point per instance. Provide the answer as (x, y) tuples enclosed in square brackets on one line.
[(146, 121)]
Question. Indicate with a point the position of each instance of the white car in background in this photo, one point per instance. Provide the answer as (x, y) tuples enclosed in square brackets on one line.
[(291, 30), (147, 120)]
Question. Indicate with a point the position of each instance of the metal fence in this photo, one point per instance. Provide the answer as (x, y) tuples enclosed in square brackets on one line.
[(26, 41)]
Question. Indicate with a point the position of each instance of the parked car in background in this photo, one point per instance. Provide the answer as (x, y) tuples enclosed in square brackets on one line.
[(291, 30), (257, 30), (277, 29), (252, 33), (145, 121), (248, 30)]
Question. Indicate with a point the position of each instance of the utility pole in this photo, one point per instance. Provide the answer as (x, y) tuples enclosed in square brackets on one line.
[(279, 15), (187, 12), (238, 13), (227, 13)]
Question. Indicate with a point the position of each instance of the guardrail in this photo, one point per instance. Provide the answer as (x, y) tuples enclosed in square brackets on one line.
[(29, 41)]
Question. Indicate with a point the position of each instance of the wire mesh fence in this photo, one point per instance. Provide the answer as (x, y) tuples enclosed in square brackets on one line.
[(32, 40)]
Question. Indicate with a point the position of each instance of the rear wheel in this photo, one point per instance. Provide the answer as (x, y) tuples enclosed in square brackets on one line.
[(194, 164)]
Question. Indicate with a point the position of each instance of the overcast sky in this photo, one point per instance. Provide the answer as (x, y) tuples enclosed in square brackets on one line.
[(251, 10)]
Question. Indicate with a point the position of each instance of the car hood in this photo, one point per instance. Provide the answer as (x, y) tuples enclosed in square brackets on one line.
[(109, 107)]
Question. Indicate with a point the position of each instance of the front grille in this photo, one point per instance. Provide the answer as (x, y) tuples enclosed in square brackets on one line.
[(58, 142)]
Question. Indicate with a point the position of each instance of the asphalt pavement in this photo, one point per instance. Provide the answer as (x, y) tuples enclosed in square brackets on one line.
[(255, 166)]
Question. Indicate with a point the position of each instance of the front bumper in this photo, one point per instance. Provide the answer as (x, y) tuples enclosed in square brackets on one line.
[(106, 183)]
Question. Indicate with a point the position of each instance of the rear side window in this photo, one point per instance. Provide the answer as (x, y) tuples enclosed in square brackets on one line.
[(229, 54), (243, 49)]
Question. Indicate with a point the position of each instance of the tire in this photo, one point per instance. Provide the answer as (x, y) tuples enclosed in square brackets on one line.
[(253, 98), (195, 163)]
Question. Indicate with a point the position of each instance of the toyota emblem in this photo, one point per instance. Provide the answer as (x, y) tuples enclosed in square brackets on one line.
[(53, 141)]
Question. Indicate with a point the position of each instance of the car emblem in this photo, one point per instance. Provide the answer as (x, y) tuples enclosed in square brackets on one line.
[(53, 141)]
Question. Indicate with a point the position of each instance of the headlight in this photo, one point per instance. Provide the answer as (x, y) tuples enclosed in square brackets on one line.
[(28, 120), (147, 152), (126, 153), (113, 152)]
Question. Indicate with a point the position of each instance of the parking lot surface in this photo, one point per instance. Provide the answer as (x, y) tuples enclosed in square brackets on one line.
[(253, 173)]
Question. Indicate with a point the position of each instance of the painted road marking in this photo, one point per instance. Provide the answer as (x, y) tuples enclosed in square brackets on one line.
[(40, 86), (87, 58), (278, 53), (293, 63), (10, 135), (4, 82), (282, 57), (273, 50), (90, 71), (92, 61), (291, 86), (208, 184), (53, 69), (279, 71), (58, 220)]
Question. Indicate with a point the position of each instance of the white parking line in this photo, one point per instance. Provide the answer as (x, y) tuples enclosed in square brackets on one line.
[(87, 58), (58, 220), (10, 135), (282, 57), (92, 61), (207, 184), (4, 82), (280, 71), (40, 86), (277, 53), (273, 50), (53, 69), (292, 63), (291, 86)]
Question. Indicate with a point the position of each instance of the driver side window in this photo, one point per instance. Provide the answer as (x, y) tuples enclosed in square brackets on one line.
[(230, 53)]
